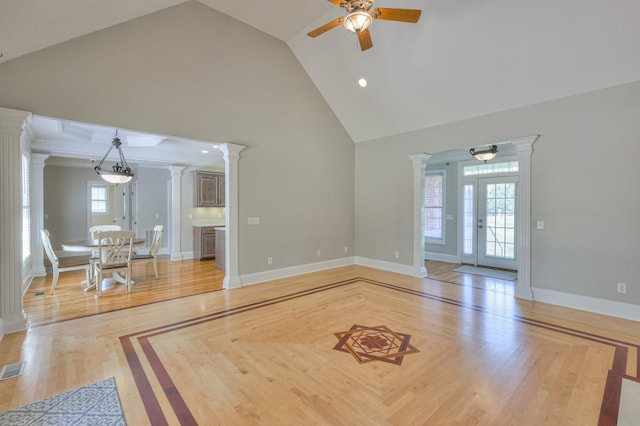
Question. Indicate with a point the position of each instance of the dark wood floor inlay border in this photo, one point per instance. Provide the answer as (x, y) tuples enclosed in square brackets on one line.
[(610, 400)]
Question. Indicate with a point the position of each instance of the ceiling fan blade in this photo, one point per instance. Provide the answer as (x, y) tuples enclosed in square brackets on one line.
[(326, 27), (365, 40), (336, 2), (403, 15)]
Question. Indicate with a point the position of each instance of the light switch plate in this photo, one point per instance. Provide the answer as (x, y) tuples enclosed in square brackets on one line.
[(540, 224), (253, 221)]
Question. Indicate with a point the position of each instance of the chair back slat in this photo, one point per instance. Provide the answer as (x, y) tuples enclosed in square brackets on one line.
[(46, 242), (93, 231), (114, 247), (156, 243)]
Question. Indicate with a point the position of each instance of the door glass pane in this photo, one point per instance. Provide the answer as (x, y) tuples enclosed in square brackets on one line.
[(500, 226), (468, 221)]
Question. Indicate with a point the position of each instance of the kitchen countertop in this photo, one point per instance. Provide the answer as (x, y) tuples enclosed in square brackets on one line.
[(202, 224)]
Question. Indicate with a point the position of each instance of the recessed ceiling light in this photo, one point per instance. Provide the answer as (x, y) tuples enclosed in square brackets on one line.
[(362, 82), (204, 151), (215, 146)]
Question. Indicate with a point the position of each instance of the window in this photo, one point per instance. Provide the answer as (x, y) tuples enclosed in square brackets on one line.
[(26, 210), (99, 199), (468, 221), (489, 168), (434, 187)]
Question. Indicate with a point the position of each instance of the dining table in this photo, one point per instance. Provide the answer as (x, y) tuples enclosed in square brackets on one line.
[(92, 246)]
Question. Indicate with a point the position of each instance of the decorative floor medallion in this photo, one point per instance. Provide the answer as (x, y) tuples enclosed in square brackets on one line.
[(377, 343)]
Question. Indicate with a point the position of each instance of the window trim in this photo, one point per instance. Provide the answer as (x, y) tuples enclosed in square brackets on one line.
[(443, 240)]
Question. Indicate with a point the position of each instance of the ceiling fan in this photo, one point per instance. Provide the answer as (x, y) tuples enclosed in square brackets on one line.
[(360, 17)]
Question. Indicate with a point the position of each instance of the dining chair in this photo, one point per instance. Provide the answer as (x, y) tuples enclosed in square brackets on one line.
[(114, 255), (152, 257), (93, 231), (93, 234), (62, 264)]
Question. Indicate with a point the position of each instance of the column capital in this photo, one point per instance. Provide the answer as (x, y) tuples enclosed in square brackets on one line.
[(420, 159), (176, 170), (231, 150), (38, 159), (524, 144), (13, 121)]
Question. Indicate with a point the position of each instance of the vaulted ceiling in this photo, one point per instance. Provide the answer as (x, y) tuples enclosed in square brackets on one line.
[(464, 58)]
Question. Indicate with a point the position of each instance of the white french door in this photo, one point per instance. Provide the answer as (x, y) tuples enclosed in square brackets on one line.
[(497, 222), (489, 225)]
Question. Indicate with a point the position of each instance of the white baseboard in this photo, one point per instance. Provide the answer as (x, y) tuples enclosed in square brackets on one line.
[(388, 266), (441, 257), (39, 271), (26, 283), (586, 303), (259, 277), (181, 256), (12, 326)]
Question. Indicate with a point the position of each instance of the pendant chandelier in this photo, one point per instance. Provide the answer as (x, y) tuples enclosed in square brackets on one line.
[(121, 172)]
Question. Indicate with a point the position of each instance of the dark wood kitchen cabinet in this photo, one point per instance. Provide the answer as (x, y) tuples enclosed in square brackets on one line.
[(208, 189), (204, 242)]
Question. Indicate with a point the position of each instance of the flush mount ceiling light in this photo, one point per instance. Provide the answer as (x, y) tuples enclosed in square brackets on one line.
[(362, 82), (485, 154), (121, 172)]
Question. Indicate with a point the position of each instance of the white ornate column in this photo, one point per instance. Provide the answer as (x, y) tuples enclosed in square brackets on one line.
[(176, 204), (12, 316), (37, 213), (231, 158), (524, 147), (419, 167)]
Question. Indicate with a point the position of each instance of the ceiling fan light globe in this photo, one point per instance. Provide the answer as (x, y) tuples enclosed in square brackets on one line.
[(357, 21)]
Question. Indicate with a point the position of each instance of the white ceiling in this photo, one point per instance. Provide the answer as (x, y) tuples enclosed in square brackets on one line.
[(87, 144), (464, 58)]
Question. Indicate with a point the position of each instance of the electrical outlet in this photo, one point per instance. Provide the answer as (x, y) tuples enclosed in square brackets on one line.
[(397, 254), (622, 288), (346, 249), (269, 260), (318, 253)]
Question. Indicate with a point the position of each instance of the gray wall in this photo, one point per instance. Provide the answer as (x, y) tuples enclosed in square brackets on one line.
[(153, 199), (194, 72), (65, 203), (584, 177)]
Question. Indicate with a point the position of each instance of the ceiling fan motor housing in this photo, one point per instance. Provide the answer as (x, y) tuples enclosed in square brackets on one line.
[(353, 5)]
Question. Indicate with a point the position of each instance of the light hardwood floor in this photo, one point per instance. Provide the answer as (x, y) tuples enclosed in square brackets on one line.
[(266, 354), (176, 279)]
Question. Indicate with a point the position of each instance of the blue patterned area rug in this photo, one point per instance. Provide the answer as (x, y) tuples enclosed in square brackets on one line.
[(96, 404)]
